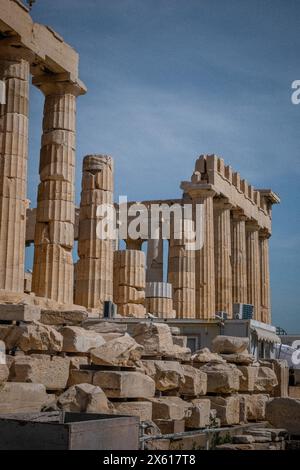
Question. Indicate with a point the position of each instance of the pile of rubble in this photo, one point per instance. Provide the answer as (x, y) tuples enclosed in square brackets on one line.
[(63, 360)]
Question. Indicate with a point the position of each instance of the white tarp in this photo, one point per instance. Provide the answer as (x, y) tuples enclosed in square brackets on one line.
[(289, 353)]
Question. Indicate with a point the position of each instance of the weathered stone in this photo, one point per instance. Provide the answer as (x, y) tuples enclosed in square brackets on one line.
[(53, 372), (284, 413), (122, 351), (77, 361), (79, 340), (155, 337), (253, 407), (169, 408), (200, 414), (123, 384), (248, 378), (104, 326), (4, 372), (38, 337), (229, 344), (84, 398), (168, 375), (22, 397), (228, 409), (10, 335), (243, 439), (180, 341), (204, 356), (195, 382), (170, 426), (222, 378), (81, 376), (239, 358), (19, 312), (61, 317), (142, 409), (266, 380)]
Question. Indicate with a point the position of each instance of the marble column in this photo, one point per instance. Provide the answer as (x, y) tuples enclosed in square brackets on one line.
[(238, 257), (181, 274), (265, 276), (53, 272), (94, 270), (222, 255), (14, 73), (155, 261), (253, 268), (204, 256)]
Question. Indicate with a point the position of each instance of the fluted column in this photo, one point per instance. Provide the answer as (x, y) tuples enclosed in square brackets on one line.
[(54, 234), (155, 261), (14, 72), (222, 255), (204, 257), (253, 268), (181, 274), (265, 276), (238, 257), (94, 270)]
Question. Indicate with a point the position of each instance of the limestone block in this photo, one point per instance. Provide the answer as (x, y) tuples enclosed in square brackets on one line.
[(105, 326), (125, 384), (77, 361), (59, 137), (156, 338), (142, 409), (58, 170), (27, 282), (195, 382), (56, 190), (254, 406), (10, 335), (168, 375), (19, 312), (84, 398), (199, 414), (81, 376), (95, 197), (203, 356), (22, 397), (38, 337), (159, 289), (79, 340), (4, 372), (169, 408), (91, 211), (239, 358), (248, 378), (132, 310), (53, 372), (63, 317), (228, 409), (170, 426), (126, 294), (284, 413), (229, 344), (266, 380), (122, 351), (222, 378)]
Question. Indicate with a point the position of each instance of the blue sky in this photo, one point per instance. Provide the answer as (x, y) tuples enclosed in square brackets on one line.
[(169, 80)]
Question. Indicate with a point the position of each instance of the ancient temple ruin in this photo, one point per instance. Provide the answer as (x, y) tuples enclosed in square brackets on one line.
[(232, 266)]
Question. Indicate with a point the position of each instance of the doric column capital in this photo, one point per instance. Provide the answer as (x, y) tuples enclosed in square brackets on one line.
[(238, 215), (196, 191), (264, 234), (222, 203), (252, 226), (59, 84)]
